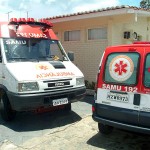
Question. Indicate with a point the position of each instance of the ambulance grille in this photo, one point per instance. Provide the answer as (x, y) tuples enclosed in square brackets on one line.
[(58, 88), (58, 84)]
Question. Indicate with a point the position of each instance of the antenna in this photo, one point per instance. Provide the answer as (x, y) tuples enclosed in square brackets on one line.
[(8, 14)]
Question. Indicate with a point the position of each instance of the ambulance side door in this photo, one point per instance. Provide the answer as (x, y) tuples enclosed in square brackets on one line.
[(144, 115)]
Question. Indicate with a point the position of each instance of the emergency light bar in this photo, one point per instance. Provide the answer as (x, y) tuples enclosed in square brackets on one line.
[(30, 21)]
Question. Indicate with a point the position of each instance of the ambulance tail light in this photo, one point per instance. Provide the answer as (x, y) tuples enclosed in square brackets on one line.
[(97, 79), (93, 109)]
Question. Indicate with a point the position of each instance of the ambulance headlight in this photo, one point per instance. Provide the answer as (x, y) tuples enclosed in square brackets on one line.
[(80, 81), (28, 86)]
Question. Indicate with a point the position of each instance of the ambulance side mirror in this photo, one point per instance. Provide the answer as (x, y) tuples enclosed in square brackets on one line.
[(71, 56)]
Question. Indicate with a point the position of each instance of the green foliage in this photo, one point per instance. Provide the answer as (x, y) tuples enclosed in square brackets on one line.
[(90, 85), (145, 4)]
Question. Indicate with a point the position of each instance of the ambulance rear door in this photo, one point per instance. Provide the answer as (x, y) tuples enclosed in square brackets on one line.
[(118, 86)]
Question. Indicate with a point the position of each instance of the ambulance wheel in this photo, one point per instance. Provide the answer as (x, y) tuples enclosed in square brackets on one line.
[(6, 111), (67, 107), (105, 129)]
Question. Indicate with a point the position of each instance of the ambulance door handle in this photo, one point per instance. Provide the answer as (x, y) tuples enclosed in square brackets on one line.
[(136, 100)]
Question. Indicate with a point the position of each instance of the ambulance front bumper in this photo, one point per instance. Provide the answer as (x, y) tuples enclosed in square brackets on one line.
[(29, 102)]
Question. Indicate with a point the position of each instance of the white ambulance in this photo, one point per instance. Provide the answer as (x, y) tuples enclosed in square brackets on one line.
[(35, 71), (122, 97)]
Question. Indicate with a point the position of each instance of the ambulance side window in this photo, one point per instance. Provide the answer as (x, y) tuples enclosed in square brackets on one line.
[(147, 72), (55, 50), (122, 68)]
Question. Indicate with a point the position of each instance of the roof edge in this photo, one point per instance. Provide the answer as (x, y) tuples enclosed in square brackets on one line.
[(97, 11)]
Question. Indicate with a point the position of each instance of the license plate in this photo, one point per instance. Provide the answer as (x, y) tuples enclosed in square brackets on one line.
[(60, 101), (118, 97)]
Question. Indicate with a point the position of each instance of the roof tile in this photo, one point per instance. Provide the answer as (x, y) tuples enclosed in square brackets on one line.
[(98, 10)]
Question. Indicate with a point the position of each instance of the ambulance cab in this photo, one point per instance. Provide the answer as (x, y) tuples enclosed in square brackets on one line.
[(122, 98)]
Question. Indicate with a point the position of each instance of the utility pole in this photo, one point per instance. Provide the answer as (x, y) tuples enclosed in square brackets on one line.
[(8, 14), (27, 12)]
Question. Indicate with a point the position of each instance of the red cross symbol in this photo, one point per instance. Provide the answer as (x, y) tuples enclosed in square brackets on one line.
[(43, 67), (120, 68)]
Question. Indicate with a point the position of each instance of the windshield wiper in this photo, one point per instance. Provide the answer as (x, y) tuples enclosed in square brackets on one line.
[(23, 59), (16, 58), (33, 59)]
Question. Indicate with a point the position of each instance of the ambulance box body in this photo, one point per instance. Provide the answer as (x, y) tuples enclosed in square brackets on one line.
[(35, 71)]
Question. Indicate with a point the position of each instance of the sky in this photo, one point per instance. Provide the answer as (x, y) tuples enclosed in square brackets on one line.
[(49, 8)]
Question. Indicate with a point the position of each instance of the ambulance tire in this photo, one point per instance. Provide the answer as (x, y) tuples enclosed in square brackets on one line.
[(67, 107), (6, 111), (105, 129)]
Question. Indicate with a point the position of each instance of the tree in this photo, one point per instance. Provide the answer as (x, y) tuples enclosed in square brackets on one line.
[(145, 4)]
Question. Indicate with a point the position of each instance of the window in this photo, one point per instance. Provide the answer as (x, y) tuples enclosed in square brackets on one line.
[(72, 35), (122, 68), (97, 33), (147, 72)]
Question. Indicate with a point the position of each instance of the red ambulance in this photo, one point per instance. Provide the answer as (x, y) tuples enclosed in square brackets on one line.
[(122, 98)]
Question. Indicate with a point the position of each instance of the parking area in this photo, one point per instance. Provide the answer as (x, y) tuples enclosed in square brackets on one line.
[(61, 130)]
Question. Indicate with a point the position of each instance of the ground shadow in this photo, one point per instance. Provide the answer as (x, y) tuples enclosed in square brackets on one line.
[(89, 99), (120, 140), (29, 121)]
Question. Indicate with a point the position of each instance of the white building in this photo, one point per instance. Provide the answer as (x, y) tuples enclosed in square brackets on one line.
[(88, 33)]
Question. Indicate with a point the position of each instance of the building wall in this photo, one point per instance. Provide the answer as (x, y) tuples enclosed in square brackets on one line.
[(140, 26), (118, 25), (88, 52), (116, 28)]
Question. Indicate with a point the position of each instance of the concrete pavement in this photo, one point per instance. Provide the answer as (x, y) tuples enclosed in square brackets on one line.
[(61, 131)]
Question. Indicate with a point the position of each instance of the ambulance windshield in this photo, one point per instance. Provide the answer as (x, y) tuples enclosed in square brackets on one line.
[(33, 50)]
